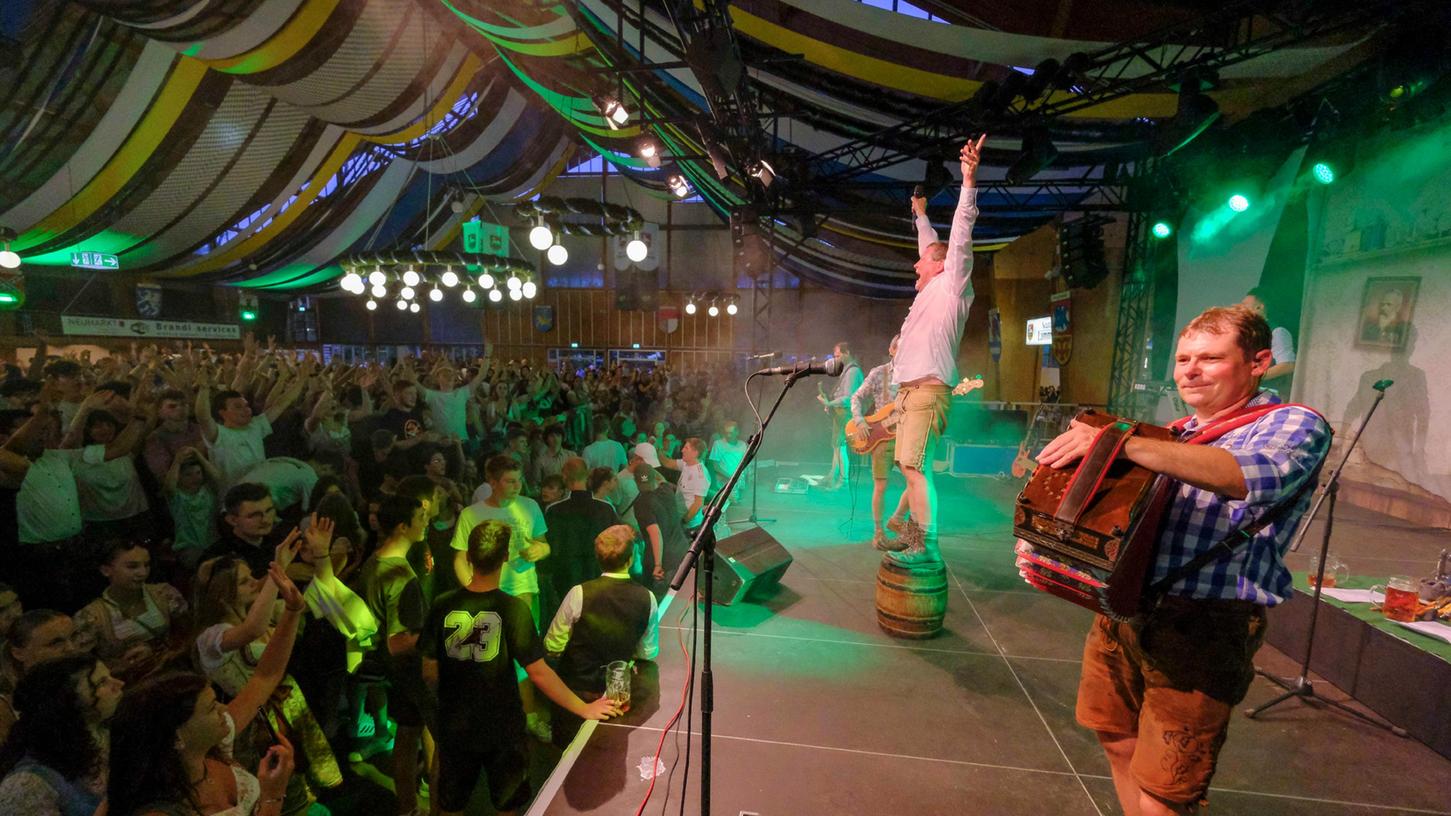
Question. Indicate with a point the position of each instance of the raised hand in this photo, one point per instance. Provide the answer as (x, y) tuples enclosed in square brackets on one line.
[(970, 156), (287, 550), (275, 770), (286, 590), (319, 537)]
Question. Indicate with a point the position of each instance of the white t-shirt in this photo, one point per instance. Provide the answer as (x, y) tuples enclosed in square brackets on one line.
[(290, 480), (727, 455), (523, 514), (450, 411), (235, 451), (110, 490), (933, 328), (1282, 345), (48, 506), (694, 483), (605, 453)]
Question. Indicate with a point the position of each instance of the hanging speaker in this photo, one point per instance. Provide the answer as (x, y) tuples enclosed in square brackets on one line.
[(748, 564)]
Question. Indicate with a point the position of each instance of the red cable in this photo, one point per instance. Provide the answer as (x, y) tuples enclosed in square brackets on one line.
[(674, 718)]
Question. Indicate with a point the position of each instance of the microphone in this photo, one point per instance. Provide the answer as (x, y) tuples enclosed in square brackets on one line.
[(1382, 385), (919, 191), (831, 367)]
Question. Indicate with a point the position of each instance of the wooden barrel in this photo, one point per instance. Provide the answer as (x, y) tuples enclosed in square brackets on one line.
[(911, 600)]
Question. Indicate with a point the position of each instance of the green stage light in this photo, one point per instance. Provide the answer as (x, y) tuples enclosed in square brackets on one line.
[(9, 300), (248, 315), (1162, 229), (1238, 203), (1323, 172)]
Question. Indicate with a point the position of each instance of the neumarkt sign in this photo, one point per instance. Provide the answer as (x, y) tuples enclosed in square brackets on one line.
[(122, 327), (94, 260)]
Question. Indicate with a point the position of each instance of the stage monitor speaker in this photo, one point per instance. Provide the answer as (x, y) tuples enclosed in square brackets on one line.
[(747, 565)]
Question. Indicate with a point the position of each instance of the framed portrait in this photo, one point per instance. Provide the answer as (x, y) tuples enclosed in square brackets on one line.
[(1386, 310)]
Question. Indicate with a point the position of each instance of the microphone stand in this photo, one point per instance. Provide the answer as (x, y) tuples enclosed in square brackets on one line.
[(756, 471), (702, 554), (1301, 687)]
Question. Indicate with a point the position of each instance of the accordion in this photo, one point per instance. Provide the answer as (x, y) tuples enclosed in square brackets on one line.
[(1089, 534)]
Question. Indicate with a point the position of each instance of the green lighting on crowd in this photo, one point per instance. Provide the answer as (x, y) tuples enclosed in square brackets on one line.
[(248, 315), (1238, 203), (1161, 229), (1323, 172)]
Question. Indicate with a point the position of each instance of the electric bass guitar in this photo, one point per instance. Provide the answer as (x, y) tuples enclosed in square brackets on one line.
[(864, 437)]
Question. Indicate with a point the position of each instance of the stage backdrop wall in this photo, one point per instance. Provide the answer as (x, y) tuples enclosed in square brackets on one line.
[(1390, 218)]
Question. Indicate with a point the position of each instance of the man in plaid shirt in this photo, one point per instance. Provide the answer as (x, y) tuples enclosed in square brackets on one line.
[(1159, 696), (878, 391)]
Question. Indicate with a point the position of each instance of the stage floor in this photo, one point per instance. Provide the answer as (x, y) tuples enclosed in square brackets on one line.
[(818, 712)]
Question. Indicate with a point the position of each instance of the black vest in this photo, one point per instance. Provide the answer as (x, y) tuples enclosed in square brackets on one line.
[(614, 616)]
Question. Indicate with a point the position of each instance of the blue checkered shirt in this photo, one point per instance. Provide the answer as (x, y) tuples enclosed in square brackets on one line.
[(1277, 453)]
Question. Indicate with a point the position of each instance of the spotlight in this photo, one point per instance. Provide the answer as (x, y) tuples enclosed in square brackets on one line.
[(690, 307), (486, 281), (410, 278), (8, 258), (435, 294), (1038, 153), (372, 305), (515, 294), (469, 295), (401, 304), (762, 171), (650, 151), (530, 289), (1162, 229), (377, 278), (1238, 203), (407, 293), (513, 283), (449, 278), (350, 282), (541, 237), (679, 186), (636, 250), (495, 295), (1323, 172), (613, 110), (732, 308), (558, 254), (713, 311), (413, 307), (379, 290)]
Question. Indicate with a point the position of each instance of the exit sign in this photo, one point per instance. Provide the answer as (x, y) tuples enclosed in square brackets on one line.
[(94, 260)]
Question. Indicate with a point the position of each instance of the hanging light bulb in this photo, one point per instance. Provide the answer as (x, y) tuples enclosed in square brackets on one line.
[(401, 304), (713, 311), (435, 294), (732, 308), (636, 250), (529, 289), (413, 307), (486, 281), (372, 305), (513, 283), (352, 281), (515, 294), (650, 151), (379, 290), (495, 296), (540, 237), (377, 278), (449, 277), (469, 295), (410, 278), (690, 307), (558, 254), (407, 293), (679, 186)]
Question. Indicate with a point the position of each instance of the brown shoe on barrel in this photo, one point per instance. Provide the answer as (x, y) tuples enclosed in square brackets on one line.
[(881, 542)]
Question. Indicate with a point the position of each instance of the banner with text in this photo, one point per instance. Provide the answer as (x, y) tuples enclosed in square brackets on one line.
[(122, 327)]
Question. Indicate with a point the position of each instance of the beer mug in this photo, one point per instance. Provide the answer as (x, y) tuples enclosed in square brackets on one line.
[(1336, 572), (617, 683), (1399, 602)]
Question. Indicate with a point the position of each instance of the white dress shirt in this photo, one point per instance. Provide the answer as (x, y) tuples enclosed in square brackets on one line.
[(933, 328)]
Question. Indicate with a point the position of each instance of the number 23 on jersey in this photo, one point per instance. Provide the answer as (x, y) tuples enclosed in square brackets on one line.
[(473, 637)]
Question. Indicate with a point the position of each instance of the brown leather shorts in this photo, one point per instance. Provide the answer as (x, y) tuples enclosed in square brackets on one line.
[(1172, 685)]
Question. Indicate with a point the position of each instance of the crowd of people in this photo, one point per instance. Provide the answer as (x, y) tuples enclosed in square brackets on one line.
[(229, 576)]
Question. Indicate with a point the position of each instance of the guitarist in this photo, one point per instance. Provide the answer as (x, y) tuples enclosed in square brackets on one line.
[(1159, 695), (927, 360), (836, 406), (878, 391)]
